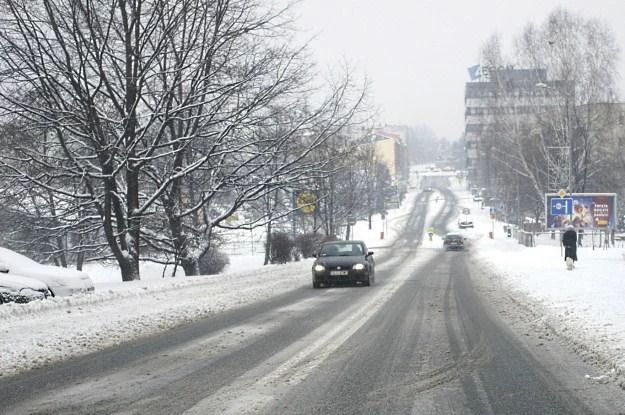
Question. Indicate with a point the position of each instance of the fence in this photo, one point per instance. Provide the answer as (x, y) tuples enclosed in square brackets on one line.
[(592, 238), (244, 242)]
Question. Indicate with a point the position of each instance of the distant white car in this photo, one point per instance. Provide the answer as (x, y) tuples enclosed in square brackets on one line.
[(60, 281), (18, 289), (465, 221)]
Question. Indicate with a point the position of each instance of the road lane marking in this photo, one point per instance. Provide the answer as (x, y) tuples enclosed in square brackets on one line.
[(257, 388)]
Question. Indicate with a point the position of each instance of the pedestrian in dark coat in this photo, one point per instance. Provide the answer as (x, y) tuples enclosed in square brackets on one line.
[(569, 240)]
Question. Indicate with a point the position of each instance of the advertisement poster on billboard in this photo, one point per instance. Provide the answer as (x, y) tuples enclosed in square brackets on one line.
[(582, 210)]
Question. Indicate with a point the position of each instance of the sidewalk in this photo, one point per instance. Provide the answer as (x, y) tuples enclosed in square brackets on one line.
[(585, 306)]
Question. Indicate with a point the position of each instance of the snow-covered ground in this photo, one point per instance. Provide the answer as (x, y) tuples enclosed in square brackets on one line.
[(585, 306)]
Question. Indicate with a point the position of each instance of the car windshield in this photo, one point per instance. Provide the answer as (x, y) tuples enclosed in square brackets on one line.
[(342, 249)]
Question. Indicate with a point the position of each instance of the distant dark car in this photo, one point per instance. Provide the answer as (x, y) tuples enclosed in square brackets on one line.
[(453, 242), (343, 262)]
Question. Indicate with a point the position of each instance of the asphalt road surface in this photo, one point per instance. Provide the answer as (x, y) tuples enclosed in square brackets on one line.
[(430, 337)]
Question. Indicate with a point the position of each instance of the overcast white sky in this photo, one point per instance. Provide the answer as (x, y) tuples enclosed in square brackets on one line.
[(416, 52)]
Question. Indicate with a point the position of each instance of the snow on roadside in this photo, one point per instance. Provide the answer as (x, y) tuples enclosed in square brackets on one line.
[(41, 332), (584, 306)]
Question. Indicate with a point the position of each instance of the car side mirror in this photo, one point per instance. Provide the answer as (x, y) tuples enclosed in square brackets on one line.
[(369, 253)]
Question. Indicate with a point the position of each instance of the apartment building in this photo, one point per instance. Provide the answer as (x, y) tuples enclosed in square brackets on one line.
[(392, 149), (505, 97)]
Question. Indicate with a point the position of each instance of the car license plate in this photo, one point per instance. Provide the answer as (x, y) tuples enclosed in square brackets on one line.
[(339, 272)]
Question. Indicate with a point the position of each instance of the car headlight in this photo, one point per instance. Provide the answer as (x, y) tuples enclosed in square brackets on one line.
[(319, 268), (358, 267)]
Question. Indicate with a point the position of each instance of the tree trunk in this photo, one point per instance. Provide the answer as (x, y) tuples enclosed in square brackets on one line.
[(268, 244), (80, 260), (129, 268), (190, 266), (131, 239)]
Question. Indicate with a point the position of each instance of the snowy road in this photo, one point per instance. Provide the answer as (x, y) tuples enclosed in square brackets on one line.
[(420, 341)]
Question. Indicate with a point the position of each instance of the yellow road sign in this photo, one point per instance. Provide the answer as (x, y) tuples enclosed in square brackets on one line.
[(306, 201)]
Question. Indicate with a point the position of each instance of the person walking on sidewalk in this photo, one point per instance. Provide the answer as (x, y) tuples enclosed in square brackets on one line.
[(569, 240)]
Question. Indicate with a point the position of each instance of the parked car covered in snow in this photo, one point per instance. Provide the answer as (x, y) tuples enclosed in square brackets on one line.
[(18, 289), (60, 281)]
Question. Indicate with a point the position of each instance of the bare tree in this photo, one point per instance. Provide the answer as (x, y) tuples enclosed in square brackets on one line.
[(491, 52), (582, 54), (155, 108), (539, 130), (47, 225)]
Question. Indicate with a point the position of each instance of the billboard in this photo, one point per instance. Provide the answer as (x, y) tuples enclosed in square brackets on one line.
[(582, 210)]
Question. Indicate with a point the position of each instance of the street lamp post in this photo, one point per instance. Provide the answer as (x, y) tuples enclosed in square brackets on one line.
[(569, 130), (569, 137)]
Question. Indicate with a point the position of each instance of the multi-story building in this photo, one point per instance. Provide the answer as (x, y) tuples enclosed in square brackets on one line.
[(502, 99), (391, 148)]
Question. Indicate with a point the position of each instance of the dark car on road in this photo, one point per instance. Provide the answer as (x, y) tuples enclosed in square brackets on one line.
[(343, 262), (453, 242)]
